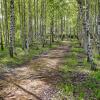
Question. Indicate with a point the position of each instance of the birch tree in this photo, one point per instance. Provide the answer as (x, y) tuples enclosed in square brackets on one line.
[(12, 28)]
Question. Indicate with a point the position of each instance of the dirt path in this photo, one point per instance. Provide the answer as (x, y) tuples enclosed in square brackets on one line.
[(35, 81)]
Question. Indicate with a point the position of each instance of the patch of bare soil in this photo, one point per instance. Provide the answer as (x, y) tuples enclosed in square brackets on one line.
[(36, 80)]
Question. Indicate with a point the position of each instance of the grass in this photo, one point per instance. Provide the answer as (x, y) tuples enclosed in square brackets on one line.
[(21, 57), (79, 81)]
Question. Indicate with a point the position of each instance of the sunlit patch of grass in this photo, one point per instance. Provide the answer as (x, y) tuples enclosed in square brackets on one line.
[(97, 62), (96, 75), (86, 64), (66, 88), (75, 43), (97, 56), (71, 62), (20, 52), (94, 86), (54, 46), (81, 96), (79, 50), (65, 42)]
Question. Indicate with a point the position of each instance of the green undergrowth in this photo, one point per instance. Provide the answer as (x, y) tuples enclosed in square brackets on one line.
[(79, 82), (22, 56)]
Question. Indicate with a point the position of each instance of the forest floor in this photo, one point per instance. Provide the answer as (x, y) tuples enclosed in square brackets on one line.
[(60, 74)]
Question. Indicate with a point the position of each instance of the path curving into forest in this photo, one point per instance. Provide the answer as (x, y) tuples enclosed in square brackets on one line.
[(36, 80)]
